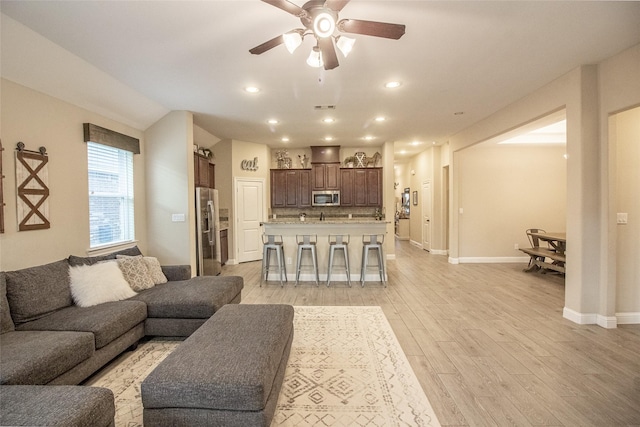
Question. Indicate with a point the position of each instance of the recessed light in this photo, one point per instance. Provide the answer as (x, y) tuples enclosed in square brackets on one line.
[(272, 121), (252, 89), (392, 85), (285, 139), (416, 143), (328, 138), (329, 120), (380, 119), (368, 138)]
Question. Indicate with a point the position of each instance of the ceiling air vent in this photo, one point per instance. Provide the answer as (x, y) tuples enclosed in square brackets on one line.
[(324, 107)]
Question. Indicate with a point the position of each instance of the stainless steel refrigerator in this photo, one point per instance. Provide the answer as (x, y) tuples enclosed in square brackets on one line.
[(207, 232)]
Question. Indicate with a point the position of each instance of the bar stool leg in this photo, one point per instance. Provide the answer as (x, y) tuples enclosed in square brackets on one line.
[(381, 266), (363, 270), (346, 264), (298, 264), (315, 264), (281, 265), (331, 251)]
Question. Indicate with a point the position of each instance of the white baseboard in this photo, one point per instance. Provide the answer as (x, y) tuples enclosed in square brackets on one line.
[(414, 243), (580, 318), (492, 260), (454, 261), (439, 252), (628, 318), (607, 322)]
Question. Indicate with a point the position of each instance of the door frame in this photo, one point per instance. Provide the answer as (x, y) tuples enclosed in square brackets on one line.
[(426, 184)]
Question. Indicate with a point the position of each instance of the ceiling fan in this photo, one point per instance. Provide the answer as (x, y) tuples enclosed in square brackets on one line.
[(320, 19)]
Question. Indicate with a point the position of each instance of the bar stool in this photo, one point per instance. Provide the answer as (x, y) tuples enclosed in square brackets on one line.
[(372, 242), (307, 242), (338, 242), (272, 242)]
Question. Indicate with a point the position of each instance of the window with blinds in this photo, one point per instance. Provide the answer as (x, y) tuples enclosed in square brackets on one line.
[(111, 218)]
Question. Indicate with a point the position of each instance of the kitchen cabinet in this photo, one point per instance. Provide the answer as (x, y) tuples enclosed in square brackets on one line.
[(290, 188), (326, 176), (224, 247), (203, 171), (361, 187)]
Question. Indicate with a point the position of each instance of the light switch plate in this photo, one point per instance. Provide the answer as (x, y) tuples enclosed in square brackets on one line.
[(177, 218), (622, 218)]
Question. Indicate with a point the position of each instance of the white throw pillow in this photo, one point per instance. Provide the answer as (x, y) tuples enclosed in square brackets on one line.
[(135, 272), (155, 270), (98, 283)]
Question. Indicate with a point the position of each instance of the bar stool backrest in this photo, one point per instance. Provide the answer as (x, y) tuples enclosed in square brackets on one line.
[(271, 239), (339, 239), (370, 239), (307, 239)]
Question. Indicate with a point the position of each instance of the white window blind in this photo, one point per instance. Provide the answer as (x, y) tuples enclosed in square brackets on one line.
[(111, 218)]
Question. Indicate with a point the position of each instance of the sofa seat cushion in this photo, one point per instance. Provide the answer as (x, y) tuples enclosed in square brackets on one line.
[(36, 291), (196, 298), (106, 321), (38, 357), (69, 406)]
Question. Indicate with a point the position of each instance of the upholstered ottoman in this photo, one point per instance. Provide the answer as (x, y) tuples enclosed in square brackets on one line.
[(227, 373), (50, 405)]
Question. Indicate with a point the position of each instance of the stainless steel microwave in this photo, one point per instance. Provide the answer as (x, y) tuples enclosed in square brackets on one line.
[(325, 198)]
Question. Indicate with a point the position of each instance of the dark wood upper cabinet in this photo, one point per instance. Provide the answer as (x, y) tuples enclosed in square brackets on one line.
[(361, 187), (290, 188), (203, 171), (326, 176)]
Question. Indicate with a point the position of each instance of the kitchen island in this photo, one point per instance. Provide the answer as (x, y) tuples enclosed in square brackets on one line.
[(356, 228)]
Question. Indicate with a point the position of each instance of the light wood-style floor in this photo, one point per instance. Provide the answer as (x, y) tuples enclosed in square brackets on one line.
[(488, 341)]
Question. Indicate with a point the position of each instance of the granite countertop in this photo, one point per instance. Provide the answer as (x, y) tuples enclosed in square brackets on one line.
[(224, 225), (316, 221)]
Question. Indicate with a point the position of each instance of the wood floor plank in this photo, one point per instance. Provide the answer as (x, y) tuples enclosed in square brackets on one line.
[(488, 342)]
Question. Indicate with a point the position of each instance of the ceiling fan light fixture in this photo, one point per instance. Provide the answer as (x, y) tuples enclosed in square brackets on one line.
[(345, 44), (315, 58), (292, 40), (324, 24)]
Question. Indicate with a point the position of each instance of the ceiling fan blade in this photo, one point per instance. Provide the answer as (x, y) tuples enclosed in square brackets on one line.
[(371, 28), (329, 56), (287, 6), (336, 5), (260, 49)]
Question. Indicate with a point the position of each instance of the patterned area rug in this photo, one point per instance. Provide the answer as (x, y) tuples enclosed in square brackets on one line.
[(346, 369)]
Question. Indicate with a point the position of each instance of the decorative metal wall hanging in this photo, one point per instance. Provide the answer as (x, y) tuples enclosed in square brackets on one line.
[(250, 165), (32, 179)]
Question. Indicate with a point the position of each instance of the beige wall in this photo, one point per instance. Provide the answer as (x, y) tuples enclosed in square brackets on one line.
[(627, 138), (170, 189), (40, 120), (588, 94), (619, 88), (504, 190)]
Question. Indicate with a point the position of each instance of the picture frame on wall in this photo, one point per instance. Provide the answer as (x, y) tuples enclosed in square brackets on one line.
[(415, 198)]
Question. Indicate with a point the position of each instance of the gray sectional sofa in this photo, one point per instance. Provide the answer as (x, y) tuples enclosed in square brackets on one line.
[(46, 339)]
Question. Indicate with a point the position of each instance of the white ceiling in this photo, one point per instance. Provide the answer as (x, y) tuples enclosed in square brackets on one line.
[(474, 57)]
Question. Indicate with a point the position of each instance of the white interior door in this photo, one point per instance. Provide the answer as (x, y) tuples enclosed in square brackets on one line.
[(249, 214), (426, 215)]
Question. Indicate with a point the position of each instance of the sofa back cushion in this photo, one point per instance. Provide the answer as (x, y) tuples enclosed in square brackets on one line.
[(34, 292), (75, 261), (6, 324)]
